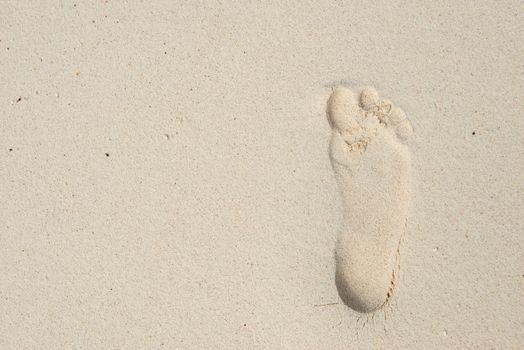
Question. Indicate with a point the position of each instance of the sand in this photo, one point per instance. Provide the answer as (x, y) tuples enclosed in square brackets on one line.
[(166, 180)]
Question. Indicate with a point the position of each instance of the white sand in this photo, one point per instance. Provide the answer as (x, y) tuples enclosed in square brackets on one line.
[(212, 220)]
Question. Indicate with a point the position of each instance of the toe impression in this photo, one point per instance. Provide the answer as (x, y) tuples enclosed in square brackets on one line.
[(340, 107)]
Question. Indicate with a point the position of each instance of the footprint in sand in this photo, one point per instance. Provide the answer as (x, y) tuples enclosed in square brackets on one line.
[(372, 166)]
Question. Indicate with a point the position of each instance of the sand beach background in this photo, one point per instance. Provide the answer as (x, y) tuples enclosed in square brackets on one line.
[(165, 181)]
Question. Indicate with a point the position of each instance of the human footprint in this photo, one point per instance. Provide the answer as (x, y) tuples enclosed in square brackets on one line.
[(372, 166)]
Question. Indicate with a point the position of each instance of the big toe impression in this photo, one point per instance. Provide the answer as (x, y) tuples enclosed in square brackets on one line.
[(341, 108)]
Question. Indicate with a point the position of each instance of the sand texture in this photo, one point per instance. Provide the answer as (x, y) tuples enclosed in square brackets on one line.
[(171, 178)]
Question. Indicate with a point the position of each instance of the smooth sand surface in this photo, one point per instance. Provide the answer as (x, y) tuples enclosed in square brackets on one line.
[(165, 179)]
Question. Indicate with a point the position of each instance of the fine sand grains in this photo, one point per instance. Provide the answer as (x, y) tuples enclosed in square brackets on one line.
[(372, 165)]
